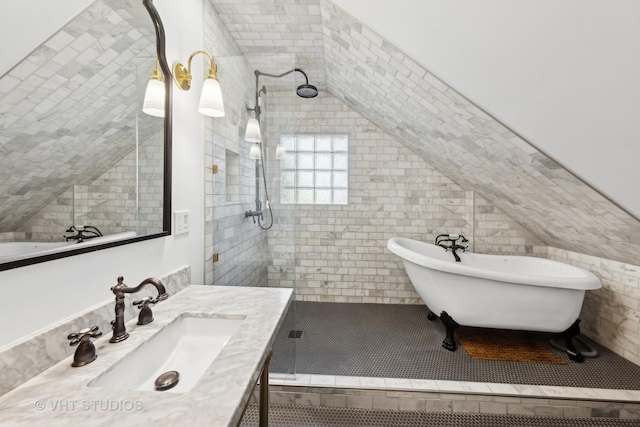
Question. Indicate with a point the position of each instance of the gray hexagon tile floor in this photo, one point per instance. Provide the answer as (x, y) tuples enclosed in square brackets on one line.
[(397, 341), (318, 416)]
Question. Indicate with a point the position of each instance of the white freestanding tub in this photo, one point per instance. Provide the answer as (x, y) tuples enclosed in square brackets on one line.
[(495, 291)]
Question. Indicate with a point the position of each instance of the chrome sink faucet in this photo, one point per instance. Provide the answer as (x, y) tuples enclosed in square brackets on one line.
[(119, 330)]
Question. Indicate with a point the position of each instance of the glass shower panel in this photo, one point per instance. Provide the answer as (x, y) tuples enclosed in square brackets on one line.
[(252, 250)]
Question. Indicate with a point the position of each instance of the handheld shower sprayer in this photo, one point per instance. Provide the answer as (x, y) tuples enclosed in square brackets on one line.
[(305, 90)]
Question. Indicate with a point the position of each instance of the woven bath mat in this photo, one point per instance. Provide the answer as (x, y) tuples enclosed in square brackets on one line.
[(500, 344)]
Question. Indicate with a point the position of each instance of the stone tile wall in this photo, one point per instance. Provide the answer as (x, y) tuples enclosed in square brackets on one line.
[(494, 232), (610, 315), (51, 222), (126, 197), (436, 123), (241, 245), (68, 110), (12, 237), (467, 145), (340, 251)]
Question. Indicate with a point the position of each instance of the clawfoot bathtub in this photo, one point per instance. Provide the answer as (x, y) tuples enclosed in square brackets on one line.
[(495, 291)]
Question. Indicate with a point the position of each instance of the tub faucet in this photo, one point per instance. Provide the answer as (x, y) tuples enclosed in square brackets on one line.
[(83, 232), (119, 330), (453, 246)]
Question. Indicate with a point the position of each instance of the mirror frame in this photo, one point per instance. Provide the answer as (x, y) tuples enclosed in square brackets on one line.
[(168, 129)]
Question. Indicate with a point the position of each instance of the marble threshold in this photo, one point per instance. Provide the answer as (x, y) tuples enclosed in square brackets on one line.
[(455, 387)]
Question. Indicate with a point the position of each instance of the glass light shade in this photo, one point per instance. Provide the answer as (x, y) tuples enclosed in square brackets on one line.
[(211, 103), (254, 153), (153, 104), (252, 134), (280, 151)]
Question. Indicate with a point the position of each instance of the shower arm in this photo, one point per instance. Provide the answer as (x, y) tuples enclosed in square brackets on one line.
[(259, 73)]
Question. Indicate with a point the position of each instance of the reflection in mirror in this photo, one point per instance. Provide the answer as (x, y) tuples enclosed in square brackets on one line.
[(80, 165)]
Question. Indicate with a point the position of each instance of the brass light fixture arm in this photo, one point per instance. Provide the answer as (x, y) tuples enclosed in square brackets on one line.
[(182, 75), (156, 73)]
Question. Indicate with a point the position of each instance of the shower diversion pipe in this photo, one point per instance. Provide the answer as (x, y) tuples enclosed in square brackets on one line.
[(261, 161), (304, 91)]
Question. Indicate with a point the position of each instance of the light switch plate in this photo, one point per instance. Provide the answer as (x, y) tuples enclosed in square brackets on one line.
[(181, 222)]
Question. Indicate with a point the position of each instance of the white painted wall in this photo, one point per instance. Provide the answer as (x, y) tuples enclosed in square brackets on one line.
[(25, 24), (36, 296), (563, 73)]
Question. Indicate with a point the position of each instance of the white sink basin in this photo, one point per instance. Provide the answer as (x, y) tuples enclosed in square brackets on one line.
[(188, 345)]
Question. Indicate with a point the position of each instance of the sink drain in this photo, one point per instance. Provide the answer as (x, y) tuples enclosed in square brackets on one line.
[(167, 380)]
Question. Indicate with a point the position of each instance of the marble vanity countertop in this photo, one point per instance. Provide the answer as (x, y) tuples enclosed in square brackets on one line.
[(60, 395)]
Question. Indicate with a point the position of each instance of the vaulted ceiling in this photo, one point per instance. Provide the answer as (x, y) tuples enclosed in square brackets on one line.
[(382, 83)]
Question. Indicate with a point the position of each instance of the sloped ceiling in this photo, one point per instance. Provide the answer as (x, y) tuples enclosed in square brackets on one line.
[(448, 131), (69, 109)]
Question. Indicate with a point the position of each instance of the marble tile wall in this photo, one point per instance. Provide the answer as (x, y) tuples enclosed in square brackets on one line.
[(12, 237), (50, 223), (26, 358), (340, 251), (69, 108), (276, 27), (436, 123), (610, 315), (241, 245), (467, 145), (128, 196), (494, 232)]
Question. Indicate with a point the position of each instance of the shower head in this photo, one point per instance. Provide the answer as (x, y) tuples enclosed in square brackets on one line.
[(307, 91), (304, 91)]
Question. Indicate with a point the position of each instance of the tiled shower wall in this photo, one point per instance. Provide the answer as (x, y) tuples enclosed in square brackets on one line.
[(241, 245), (610, 315), (433, 120), (340, 251), (110, 201)]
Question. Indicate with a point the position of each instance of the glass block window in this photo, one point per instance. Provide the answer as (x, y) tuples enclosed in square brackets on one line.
[(314, 169)]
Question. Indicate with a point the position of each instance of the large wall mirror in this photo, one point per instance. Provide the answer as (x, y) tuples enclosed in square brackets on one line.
[(82, 168)]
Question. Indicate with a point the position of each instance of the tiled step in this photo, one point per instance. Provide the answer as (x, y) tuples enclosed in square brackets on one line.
[(453, 397), (318, 416)]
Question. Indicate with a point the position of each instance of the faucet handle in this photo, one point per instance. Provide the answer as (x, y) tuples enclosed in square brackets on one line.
[(83, 335), (86, 351), (145, 302), (146, 315)]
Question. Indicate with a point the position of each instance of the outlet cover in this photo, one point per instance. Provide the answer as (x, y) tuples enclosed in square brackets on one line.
[(181, 222)]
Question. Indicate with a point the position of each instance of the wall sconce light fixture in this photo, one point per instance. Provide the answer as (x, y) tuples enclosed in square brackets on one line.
[(252, 133), (153, 103), (280, 151), (254, 153), (211, 103)]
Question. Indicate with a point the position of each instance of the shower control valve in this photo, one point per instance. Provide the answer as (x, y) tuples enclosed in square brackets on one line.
[(254, 214)]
